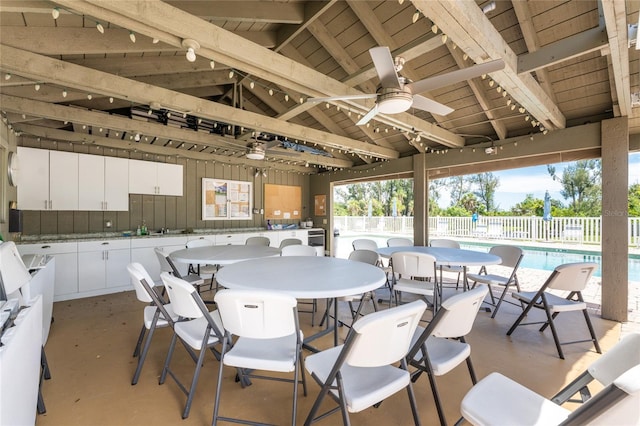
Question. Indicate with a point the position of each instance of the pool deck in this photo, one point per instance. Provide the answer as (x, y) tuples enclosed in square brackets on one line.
[(532, 279)]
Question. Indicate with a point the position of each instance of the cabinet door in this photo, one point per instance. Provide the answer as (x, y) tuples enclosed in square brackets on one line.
[(142, 177), (33, 179), (117, 261), (66, 275), (91, 270), (116, 184), (63, 180), (90, 182), (170, 179)]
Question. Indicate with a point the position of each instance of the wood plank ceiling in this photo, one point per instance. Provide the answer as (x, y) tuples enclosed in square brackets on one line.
[(130, 85)]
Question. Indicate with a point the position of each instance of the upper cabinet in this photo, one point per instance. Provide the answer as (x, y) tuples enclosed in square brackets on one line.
[(146, 177), (47, 180), (103, 183)]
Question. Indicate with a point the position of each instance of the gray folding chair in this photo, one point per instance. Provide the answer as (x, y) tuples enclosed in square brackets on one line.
[(290, 242), (456, 269), (258, 241), (167, 265), (571, 277)]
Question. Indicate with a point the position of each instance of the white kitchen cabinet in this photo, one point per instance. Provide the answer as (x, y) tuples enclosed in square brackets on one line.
[(225, 239), (66, 255), (147, 177), (103, 265), (103, 183), (47, 180)]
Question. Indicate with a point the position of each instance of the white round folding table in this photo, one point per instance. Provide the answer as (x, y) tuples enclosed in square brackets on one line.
[(222, 255)]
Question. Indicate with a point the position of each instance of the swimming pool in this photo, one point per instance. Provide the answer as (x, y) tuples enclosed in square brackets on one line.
[(545, 259)]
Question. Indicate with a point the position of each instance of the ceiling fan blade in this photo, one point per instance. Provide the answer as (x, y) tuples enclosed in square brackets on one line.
[(385, 67), (430, 105), (453, 77), (283, 152), (368, 116), (345, 97)]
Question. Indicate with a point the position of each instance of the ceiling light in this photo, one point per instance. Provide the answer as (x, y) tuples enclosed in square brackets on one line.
[(111, 100), (256, 152), (37, 87), (55, 12), (444, 38), (286, 97), (527, 118), (132, 36), (231, 74), (252, 85), (191, 46), (465, 57), (521, 110), (301, 100), (434, 29), (89, 96), (155, 41), (64, 93), (212, 64), (137, 137), (489, 7), (416, 16), (99, 27)]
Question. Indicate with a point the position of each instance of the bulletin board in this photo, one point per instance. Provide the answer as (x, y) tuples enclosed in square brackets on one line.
[(282, 202), (226, 199)]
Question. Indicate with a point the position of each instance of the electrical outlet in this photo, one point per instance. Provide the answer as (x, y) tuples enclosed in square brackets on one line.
[(324, 221)]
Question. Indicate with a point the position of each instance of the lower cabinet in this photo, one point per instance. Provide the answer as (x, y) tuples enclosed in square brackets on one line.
[(142, 251), (66, 276), (103, 265)]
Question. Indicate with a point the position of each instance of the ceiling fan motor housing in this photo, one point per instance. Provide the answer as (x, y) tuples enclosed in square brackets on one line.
[(393, 101), (256, 152)]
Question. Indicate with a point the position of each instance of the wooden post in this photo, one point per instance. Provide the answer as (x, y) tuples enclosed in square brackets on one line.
[(615, 252), (421, 200)]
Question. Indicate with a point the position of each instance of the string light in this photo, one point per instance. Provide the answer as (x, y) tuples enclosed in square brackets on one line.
[(37, 87), (111, 100), (444, 38), (64, 93), (7, 76), (286, 97), (270, 92), (434, 29), (252, 84), (212, 64), (465, 57), (55, 12), (132, 36), (231, 74), (89, 96), (99, 27), (416, 16), (155, 41)]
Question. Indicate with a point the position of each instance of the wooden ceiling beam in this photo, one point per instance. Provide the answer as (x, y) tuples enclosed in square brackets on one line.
[(146, 65), (615, 18), (312, 11), (466, 24), (160, 20), (250, 11)]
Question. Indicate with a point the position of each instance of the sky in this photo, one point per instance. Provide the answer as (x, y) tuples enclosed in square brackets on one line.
[(515, 184)]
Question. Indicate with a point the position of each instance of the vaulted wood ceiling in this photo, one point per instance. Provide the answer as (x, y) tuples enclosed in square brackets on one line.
[(567, 63)]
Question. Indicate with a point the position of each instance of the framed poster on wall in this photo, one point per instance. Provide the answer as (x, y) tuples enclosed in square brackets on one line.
[(226, 199)]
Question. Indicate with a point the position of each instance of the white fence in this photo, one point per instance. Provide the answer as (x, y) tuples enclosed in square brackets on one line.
[(582, 230)]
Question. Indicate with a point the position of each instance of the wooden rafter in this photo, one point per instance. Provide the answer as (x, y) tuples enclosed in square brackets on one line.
[(616, 21)]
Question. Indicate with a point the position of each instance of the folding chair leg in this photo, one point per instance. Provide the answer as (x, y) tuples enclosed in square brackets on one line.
[(436, 397), (497, 305), (46, 373), (216, 405), (552, 325), (165, 369), (194, 381), (136, 351), (520, 318), (142, 357), (412, 398), (591, 331)]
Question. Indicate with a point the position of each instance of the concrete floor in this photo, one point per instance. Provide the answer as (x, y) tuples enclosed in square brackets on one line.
[(90, 354)]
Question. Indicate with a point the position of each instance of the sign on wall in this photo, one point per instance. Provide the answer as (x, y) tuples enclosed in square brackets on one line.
[(226, 199)]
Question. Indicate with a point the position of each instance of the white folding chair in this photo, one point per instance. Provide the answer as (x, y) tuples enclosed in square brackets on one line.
[(258, 241), (365, 256), (511, 257), (399, 242), (441, 346), (196, 327), (167, 265), (205, 271), (415, 273), (498, 400), (290, 242), (303, 250), (157, 314), (268, 339), (571, 277), (364, 244), (363, 372), (456, 269)]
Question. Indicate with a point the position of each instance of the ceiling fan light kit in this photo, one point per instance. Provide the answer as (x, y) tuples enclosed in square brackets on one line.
[(256, 151)]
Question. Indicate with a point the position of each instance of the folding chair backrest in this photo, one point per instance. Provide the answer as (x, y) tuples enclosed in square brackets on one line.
[(510, 255), (200, 242), (383, 337), (137, 274), (443, 242), (165, 266), (290, 242), (258, 241), (13, 272), (364, 244), (365, 256), (298, 250), (458, 313), (257, 314), (413, 265), (571, 276), (181, 296), (621, 357), (616, 404), (399, 242)]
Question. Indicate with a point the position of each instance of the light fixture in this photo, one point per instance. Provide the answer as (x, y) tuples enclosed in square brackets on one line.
[(416, 16), (99, 27), (137, 137), (434, 29), (111, 100), (444, 38), (132, 36), (155, 41), (521, 110), (465, 57), (286, 97), (37, 86), (400, 1), (489, 7), (7, 76), (212, 64), (191, 46), (64, 93), (55, 12), (231, 74), (256, 151), (89, 96)]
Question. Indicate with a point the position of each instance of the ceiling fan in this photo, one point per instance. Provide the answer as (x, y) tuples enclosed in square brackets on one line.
[(261, 145), (397, 94)]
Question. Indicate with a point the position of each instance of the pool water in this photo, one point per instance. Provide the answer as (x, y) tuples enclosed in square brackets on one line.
[(534, 258)]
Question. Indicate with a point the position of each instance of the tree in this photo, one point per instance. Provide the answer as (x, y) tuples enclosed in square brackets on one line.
[(459, 186), (486, 184), (581, 185), (634, 200)]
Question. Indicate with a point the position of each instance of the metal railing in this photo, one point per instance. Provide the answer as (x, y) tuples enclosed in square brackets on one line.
[(581, 230)]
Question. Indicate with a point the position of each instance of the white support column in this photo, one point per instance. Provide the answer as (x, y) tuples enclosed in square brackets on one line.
[(615, 252)]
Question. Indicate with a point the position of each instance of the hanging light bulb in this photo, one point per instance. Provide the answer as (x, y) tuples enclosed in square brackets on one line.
[(286, 97), (252, 84), (37, 86), (491, 83), (231, 74), (483, 76), (99, 27), (301, 100), (416, 16), (521, 110), (270, 92), (132, 36), (64, 93), (527, 118), (499, 89), (191, 54), (137, 137), (513, 106), (111, 100), (89, 96), (434, 29), (55, 12), (465, 57), (443, 38), (400, 1), (155, 41), (7, 76), (212, 64), (545, 132)]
